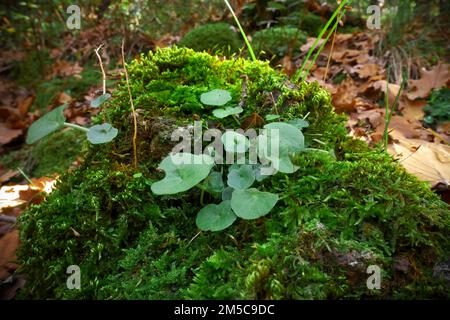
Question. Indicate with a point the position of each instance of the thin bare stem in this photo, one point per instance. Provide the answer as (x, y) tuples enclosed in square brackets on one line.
[(132, 107), (329, 57), (101, 67)]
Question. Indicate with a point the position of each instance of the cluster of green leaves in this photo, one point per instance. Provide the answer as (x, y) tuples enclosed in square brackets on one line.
[(185, 170), (55, 120), (438, 109)]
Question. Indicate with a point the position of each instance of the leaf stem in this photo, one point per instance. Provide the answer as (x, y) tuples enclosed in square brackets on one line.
[(76, 127)]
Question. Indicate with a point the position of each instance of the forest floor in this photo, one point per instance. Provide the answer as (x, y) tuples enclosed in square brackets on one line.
[(347, 67)]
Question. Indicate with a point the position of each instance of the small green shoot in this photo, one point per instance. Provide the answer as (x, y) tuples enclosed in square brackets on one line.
[(249, 47)]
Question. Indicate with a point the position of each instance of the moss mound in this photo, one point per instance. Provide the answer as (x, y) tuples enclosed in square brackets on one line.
[(278, 41), (213, 36), (346, 208)]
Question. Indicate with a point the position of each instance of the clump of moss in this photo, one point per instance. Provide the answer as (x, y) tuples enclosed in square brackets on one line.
[(343, 210), (311, 24), (278, 41), (212, 37), (53, 155)]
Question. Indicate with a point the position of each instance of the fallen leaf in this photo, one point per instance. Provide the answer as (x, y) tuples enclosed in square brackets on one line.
[(428, 161), (24, 105), (436, 78), (252, 121), (7, 135), (8, 245)]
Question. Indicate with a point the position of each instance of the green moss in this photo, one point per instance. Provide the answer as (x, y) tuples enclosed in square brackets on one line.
[(278, 41), (341, 211), (52, 155), (311, 24), (213, 36)]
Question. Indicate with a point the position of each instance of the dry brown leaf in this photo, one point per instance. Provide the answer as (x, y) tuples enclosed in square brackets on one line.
[(7, 135), (8, 245), (6, 176), (252, 121), (434, 79), (24, 105), (64, 98), (428, 161), (366, 70), (412, 109), (344, 98)]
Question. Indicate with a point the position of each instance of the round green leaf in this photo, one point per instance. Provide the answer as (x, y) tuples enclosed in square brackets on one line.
[(235, 142), (222, 113), (290, 136), (97, 102), (101, 133), (241, 178), (216, 97), (214, 182), (47, 124), (252, 204), (183, 171), (215, 217)]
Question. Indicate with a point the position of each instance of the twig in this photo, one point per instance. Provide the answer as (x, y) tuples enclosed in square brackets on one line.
[(132, 107), (101, 67), (329, 57)]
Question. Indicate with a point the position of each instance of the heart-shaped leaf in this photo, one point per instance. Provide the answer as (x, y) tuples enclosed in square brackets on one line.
[(235, 142), (216, 97), (222, 113), (290, 136), (47, 124), (101, 133), (241, 178), (214, 182), (97, 102), (183, 171), (215, 217), (252, 204)]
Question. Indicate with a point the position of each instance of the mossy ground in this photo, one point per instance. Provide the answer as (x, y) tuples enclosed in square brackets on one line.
[(52, 155), (344, 209)]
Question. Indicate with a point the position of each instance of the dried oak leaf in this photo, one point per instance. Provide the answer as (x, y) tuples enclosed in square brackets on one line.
[(433, 79)]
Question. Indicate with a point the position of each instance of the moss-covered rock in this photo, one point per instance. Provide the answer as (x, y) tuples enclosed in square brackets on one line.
[(278, 41), (346, 208), (212, 37)]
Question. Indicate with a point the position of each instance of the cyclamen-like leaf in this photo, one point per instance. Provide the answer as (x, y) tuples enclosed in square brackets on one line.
[(101, 133), (252, 204), (183, 171), (47, 124), (216, 97), (223, 113), (214, 182), (215, 217), (235, 142), (97, 102), (241, 178)]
